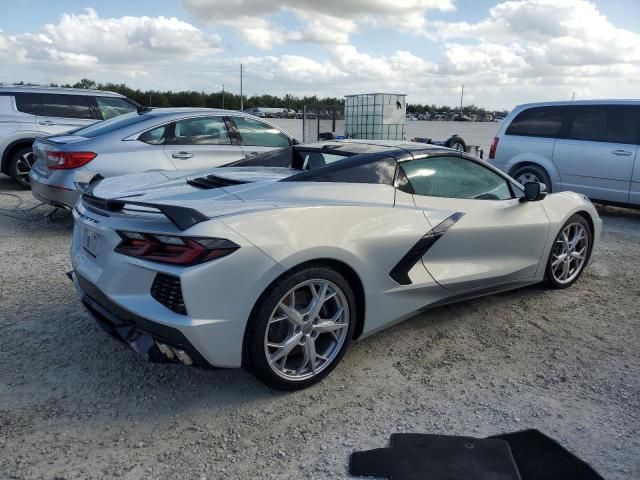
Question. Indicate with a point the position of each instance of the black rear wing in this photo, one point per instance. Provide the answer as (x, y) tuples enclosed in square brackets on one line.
[(182, 217)]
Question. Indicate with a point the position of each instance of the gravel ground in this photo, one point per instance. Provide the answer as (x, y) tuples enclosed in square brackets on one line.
[(75, 404)]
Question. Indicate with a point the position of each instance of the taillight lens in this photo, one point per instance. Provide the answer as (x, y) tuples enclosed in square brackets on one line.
[(66, 160), (174, 249), (493, 148)]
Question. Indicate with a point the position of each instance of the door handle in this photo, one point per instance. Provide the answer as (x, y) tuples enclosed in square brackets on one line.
[(182, 155), (251, 154), (47, 122), (622, 153)]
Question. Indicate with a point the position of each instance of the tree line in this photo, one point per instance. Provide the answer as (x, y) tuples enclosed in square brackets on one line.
[(220, 99)]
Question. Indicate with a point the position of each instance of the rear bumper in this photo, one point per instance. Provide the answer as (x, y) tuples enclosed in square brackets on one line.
[(153, 341), (45, 190)]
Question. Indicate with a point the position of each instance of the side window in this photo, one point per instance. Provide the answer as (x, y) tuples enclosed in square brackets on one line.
[(201, 131), (155, 136), (313, 160), (259, 134), (28, 102), (110, 107), (382, 171), (537, 122), (66, 106), (455, 177), (613, 124)]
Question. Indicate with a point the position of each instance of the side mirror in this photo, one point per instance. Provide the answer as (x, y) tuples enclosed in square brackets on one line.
[(534, 191)]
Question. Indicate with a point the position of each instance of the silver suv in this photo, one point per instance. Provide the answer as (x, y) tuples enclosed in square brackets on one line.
[(589, 147), (27, 113)]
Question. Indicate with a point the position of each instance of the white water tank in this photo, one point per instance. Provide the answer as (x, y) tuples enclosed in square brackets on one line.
[(376, 116)]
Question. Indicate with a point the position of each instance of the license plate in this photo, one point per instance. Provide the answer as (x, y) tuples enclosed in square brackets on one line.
[(91, 242)]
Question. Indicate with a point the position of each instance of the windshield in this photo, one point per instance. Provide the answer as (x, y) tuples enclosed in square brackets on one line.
[(107, 126)]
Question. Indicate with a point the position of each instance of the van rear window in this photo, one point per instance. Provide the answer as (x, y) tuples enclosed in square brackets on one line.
[(537, 122)]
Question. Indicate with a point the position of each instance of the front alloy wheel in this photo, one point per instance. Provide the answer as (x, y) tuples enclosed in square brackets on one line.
[(303, 326), (570, 252)]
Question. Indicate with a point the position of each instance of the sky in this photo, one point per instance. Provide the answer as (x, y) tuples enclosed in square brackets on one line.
[(504, 52)]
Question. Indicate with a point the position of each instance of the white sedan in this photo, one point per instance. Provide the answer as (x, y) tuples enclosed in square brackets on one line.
[(278, 262)]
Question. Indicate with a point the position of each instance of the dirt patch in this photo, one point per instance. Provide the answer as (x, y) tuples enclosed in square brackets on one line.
[(76, 405)]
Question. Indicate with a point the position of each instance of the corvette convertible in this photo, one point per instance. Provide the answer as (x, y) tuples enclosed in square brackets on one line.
[(279, 261)]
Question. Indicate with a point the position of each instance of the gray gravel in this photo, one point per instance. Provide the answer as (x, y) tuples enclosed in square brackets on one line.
[(75, 404)]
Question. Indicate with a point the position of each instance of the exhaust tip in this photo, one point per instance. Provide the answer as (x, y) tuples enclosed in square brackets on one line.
[(183, 357)]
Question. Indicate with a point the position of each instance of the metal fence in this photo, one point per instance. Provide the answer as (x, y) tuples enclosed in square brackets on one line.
[(321, 122)]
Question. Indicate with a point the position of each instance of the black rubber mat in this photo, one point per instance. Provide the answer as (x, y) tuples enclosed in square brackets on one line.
[(542, 458), (525, 455), (422, 457)]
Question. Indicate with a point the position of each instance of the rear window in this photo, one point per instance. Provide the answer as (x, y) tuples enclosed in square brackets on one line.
[(65, 106), (108, 126), (537, 122), (28, 102), (612, 124), (110, 107)]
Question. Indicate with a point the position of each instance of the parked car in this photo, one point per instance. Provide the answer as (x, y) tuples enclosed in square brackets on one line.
[(158, 139), (587, 146), (277, 262), (27, 113)]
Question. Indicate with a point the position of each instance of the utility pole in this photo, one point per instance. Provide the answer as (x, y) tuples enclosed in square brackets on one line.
[(573, 96), (223, 96), (149, 99), (241, 95), (461, 97)]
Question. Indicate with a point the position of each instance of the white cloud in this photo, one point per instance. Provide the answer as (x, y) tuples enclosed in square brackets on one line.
[(86, 40), (320, 21)]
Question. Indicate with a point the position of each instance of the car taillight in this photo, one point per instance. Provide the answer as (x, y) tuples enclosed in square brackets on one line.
[(493, 148), (65, 160), (174, 249)]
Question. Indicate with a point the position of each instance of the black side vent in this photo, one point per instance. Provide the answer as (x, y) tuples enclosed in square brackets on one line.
[(167, 290), (212, 181)]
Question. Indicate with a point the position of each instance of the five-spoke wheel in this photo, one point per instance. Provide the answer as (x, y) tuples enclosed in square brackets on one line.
[(569, 252), (301, 328), (20, 165)]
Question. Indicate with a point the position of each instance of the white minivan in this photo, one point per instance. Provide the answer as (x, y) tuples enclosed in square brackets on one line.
[(589, 147)]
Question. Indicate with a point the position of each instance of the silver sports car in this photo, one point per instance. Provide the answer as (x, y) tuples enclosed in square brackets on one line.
[(278, 262)]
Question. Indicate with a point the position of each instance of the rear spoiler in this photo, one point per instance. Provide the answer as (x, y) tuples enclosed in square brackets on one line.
[(182, 217)]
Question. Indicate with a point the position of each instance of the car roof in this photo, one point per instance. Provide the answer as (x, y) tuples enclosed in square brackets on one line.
[(393, 148), (61, 90), (618, 101)]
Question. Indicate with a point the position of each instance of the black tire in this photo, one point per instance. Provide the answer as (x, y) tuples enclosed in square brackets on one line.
[(540, 174), (254, 348), (456, 143), (16, 167), (549, 277)]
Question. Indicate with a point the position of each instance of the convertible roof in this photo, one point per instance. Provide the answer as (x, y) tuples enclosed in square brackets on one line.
[(390, 148)]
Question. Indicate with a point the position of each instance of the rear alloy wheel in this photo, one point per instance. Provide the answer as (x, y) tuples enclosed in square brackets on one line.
[(570, 253), (20, 165), (532, 173), (301, 329)]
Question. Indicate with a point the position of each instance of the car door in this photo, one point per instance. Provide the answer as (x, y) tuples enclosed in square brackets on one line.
[(597, 154), (201, 142), (484, 235), (258, 137), (60, 113)]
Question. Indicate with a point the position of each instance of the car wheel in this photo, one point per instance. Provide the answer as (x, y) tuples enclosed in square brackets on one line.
[(570, 253), (532, 173), (300, 328), (20, 165), (456, 143)]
